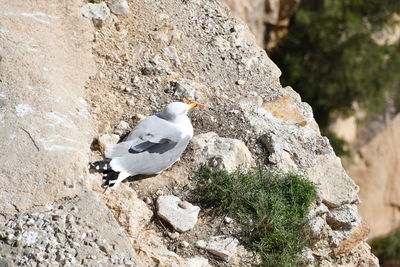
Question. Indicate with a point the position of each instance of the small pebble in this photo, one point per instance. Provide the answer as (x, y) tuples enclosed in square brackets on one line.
[(201, 244), (228, 220), (184, 244), (147, 200), (70, 218), (173, 235), (240, 82)]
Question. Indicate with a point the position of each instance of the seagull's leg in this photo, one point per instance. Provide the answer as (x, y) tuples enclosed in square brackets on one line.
[(122, 176)]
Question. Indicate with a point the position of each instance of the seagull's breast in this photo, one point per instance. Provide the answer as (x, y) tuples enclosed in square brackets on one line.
[(185, 127)]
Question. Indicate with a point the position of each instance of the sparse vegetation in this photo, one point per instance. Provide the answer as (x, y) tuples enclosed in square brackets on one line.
[(387, 249), (330, 58), (272, 209)]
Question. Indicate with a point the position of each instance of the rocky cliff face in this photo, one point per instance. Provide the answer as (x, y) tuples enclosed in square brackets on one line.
[(268, 20), (379, 158), (66, 79)]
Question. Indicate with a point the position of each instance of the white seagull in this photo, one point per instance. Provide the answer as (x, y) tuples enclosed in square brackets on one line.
[(152, 146)]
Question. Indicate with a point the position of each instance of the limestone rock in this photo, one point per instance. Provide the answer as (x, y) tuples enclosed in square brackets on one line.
[(153, 252), (252, 13), (122, 128), (344, 216), (221, 246), (44, 120), (221, 153), (98, 11), (69, 231), (198, 262), (335, 186), (180, 214), (119, 7), (292, 146), (131, 212), (315, 226), (375, 170), (186, 88), (106, 141)]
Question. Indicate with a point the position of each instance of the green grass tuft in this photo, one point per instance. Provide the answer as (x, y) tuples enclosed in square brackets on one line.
[(271, 208)]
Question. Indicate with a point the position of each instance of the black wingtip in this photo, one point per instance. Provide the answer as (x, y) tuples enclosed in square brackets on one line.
[(109, 179), (100, 166)]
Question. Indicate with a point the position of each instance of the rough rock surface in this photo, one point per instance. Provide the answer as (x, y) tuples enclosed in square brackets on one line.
[(152, 56), (45, 126), (267, 19), (181, 215), (106, 141), (300, 147), (221, 153), (98, 11), (119, 7), (252, 12), (221, 246), (66, 233), (376, 169)]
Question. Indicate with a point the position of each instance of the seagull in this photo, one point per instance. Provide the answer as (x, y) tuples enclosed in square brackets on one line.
[(154, 145)]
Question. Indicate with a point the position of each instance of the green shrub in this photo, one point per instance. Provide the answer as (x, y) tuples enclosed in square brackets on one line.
[(272, 209), (387, 249), (330, 58)]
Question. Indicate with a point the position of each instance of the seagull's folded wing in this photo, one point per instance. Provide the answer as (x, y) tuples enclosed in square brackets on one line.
[(151, 134)]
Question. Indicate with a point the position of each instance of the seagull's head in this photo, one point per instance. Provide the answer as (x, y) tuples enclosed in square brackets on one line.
[(177, 109)]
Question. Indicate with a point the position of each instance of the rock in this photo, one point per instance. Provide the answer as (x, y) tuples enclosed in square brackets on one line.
[(182, 218), (344, 216), (44, 119), (185, 88), (201, 244), (286, 109), (69, 183), (184, 244), (221, 153), (59, 241), (240, 82), (106, 141), (307, 257), (148, 201), (220, 246), (214, 52), (228, 220), (173, 235), (119, 7), (98, 11), (345, 128), (155, 251), (252, 13), (335, 187), (122, 128), (171, 53), (197, 262), (292, 146), (315, 226), (375, 168)]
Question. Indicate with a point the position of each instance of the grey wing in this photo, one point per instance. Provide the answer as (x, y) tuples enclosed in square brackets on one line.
[(153, 160), (151, 134)]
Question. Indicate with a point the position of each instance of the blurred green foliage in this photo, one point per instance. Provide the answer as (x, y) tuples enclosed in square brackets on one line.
[(387, 249), (271, 209), (330, 58)]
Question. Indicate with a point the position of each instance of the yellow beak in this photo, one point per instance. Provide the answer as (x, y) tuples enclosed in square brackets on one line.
[(192, 106)]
